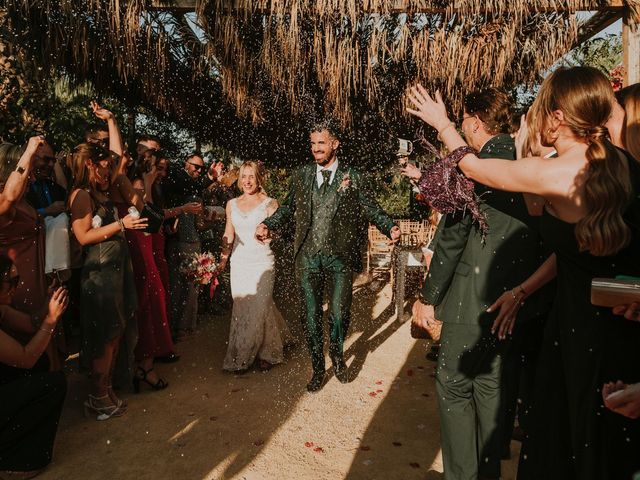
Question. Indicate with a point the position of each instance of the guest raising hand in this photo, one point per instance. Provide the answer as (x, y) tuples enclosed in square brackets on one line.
[(591, 221)]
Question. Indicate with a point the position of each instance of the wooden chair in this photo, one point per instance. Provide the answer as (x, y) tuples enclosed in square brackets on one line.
[(378, 246)]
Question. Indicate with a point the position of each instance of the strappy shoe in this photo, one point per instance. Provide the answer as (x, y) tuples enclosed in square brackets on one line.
[(103, 411), (141, 376), (119, 402)]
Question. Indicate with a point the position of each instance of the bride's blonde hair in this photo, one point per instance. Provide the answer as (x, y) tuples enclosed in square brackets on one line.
[(585, 97), (258, 171)]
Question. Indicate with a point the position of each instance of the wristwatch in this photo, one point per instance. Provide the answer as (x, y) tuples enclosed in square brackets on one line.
[(20, 169)]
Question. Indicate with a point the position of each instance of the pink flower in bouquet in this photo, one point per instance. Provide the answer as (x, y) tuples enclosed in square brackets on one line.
[(200, 268)]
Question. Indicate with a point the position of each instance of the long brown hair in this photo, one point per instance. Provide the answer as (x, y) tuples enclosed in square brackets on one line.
[(9, 157), (82, 176), (629, 98), (585, 97)]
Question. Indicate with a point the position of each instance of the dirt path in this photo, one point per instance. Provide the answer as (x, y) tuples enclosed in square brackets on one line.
[(212, 425)]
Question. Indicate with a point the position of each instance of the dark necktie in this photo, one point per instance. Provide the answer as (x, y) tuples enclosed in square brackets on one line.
[(326, 175)]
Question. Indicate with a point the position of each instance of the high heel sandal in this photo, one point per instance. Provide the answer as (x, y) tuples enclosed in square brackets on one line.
[(141, 376), (95, 405), (119, 402)]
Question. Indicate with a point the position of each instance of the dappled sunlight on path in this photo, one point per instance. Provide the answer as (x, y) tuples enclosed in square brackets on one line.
[(213, 425)]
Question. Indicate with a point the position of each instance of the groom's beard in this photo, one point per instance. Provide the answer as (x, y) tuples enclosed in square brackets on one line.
[(322, 163)]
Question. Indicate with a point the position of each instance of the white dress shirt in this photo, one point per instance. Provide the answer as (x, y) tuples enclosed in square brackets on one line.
[(332, 169)]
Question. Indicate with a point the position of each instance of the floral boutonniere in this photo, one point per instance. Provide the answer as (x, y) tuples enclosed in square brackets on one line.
[(346, 182)]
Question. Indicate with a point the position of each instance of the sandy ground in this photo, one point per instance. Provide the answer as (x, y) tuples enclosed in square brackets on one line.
[(212, 425)]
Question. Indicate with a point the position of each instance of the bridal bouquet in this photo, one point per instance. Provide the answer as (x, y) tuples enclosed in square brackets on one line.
[(200, 268)]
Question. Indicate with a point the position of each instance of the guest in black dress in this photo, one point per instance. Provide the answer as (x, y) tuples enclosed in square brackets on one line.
[(591, 221), (32, 397)]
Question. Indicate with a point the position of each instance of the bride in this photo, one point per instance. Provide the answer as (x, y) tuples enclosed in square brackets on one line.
[(255, 320)]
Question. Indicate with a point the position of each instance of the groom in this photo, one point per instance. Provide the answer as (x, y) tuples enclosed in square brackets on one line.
[(330, 207)]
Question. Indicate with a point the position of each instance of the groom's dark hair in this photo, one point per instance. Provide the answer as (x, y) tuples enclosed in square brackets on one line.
[(328, 124)]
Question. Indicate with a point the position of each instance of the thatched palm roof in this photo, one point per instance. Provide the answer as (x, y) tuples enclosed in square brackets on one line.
[(253, 69)]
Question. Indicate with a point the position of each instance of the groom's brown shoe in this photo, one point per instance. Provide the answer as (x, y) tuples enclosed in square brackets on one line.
[(316, 383)]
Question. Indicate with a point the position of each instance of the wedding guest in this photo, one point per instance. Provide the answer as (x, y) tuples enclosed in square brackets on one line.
[(181, 186), (629, 99), (108, 289), (44, 194), (22, 234), (158, 239), (476, 375), (32, 399), (154, 332), (591, 220), (21, 229), (255, 320), (330, 204)]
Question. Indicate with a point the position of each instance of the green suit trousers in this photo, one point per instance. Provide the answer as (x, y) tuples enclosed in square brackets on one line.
[(315, 273)]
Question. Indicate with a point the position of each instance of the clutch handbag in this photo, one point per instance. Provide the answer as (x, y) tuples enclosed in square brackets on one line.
[(611, 292), (154, 216)]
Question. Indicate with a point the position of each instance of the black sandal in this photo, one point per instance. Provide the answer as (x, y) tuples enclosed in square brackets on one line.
[(141, 376)]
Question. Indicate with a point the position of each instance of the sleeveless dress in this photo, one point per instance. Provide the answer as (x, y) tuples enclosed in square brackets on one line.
[(255, 320), (573, 436), (22, 239), (154, 332), (108, 298)]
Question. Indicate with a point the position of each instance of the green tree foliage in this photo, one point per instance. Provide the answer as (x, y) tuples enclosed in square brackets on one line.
[(603, 53)]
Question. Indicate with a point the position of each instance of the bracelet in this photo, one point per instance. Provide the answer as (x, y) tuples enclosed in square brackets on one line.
[(48, 331), (121, 223), (450, 124), (524, 292)]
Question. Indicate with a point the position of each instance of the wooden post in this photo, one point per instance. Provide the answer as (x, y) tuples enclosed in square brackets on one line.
[(198, 145), (630, 49)]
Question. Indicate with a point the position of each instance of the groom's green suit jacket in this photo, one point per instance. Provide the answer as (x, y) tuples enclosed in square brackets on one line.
[(352, 207)]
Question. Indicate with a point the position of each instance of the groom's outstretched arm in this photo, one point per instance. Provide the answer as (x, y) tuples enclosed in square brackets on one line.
[(371, 208), (287, 209)]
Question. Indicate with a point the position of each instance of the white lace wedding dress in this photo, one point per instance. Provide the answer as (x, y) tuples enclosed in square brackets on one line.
[(255, 320)]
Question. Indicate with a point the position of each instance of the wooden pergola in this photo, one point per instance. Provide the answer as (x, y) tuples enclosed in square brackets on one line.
[(248, 74)]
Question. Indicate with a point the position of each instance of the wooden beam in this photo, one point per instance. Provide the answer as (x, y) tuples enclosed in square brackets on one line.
[(630, 49), (598, 22), (184, 6)]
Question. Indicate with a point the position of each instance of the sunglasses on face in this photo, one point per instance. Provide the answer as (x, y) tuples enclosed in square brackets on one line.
[(196, 166), (12, 281), (49, 159)]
